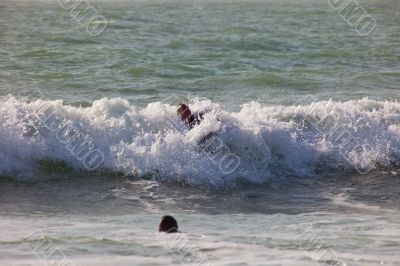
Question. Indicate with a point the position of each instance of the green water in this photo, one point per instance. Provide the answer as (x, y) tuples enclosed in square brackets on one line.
[(230, 52)]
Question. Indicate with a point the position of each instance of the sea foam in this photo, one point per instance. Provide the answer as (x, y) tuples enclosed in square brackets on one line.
[(266, 142)]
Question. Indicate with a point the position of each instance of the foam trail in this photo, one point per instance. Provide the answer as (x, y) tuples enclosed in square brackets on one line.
[(270, 141)]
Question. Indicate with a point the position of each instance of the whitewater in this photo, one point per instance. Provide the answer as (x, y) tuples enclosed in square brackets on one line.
[(296, 161), (268, 141)]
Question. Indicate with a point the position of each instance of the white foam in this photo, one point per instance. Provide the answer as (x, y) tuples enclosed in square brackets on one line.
[(270, 141)]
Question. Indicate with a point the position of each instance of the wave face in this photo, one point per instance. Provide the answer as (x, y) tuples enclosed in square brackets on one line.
[(256, 144)]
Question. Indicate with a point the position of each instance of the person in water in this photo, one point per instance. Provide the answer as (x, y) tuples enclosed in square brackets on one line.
[(186, 115), (168, 224)]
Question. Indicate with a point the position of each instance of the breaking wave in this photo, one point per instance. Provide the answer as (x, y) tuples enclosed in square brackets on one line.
[(256, 144)]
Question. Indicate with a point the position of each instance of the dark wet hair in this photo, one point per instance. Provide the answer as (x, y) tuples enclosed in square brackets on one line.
[(182, 107), (183, 111), (168, 224)]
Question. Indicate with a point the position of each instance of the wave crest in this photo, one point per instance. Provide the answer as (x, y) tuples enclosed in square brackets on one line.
[(255, 144)]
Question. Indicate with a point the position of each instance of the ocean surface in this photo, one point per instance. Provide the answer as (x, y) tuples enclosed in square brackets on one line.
[(295, 163)]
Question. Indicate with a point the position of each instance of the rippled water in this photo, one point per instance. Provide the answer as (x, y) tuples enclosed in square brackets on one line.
[(294, 200), (273, 51)]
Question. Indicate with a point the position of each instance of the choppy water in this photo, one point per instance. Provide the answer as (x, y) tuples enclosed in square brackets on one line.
[(312, 180)]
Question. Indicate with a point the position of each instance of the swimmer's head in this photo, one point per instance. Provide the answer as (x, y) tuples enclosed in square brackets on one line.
[(183, 111), (168, 224)]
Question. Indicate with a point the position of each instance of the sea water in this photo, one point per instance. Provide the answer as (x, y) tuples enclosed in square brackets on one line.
[(301, 167)]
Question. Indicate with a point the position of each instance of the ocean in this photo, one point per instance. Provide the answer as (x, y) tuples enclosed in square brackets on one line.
[(296, 161)]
